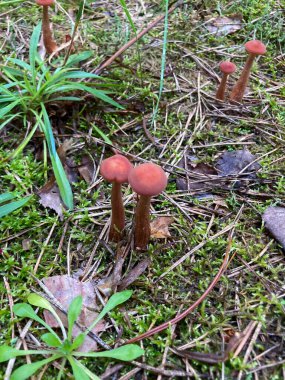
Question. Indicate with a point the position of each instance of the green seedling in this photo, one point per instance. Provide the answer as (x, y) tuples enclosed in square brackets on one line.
[(65, 347)]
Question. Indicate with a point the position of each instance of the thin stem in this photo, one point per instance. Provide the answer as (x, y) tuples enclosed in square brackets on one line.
[(240, 86), (118, 213), (220, 94), (142, 222), (49, 43)]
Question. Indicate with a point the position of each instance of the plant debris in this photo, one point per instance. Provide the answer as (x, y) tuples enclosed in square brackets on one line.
[(159, 227), (232, 163), (222, 26)]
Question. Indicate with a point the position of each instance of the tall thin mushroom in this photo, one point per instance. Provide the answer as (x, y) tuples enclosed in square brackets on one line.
[(226, 68), (49, 43), (253, 48), (146, 180), (116, 169)]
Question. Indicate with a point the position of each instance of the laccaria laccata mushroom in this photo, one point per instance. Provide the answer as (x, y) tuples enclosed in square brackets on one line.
[(49, 43), (147, 180), (226, 68), (253, 48), (116, 169)]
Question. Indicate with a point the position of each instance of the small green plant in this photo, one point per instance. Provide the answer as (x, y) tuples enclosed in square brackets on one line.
[(30, 87), (7, 208), (65, 348)]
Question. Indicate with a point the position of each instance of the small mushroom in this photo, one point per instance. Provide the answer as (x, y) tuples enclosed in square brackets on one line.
[(115, 169), (253, 48), (49, 43), (146, 180), (226, 68)]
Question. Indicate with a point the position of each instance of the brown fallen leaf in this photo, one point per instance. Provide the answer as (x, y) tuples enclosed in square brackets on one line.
[(50, 197), (159, 227), (222, 26), (65, 289)]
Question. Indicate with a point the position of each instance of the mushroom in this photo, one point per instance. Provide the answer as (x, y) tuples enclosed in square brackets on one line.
[(226, 68), (49, 43), (254, 48), (146, 180), (115, 169)]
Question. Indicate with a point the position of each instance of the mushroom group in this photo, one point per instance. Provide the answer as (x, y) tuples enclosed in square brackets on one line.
[(253, 48), (147, 180)]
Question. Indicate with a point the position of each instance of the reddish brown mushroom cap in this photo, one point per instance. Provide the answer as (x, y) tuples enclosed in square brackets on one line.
[(45, 2), (148, 179), (255, 47), (227, 67), (116, 168)]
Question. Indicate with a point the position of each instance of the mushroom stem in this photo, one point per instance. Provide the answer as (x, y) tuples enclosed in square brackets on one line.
[(142, 222), (49, 43), (118, 213), (220, 94), (240, 86)]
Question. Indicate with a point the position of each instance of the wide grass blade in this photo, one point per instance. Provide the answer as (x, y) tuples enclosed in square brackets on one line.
[(10, 207), (33, 51), (59, 173)]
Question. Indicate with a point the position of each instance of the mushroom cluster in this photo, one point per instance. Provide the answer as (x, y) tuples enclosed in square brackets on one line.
[(147, 180), (253, 48)]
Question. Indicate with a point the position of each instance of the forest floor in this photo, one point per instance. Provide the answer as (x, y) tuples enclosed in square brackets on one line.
[(209, 215)]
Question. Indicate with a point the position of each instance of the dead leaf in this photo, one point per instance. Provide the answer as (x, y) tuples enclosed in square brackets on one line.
[(232, 163), (159, 227), (87, 169), (134, 274), (50, 197), (222, 26), (65, 289), (274, 218), (49, 193)]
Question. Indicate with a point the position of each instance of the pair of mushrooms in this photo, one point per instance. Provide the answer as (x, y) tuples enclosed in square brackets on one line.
[(253, 48), (49, 43), (146, 180)]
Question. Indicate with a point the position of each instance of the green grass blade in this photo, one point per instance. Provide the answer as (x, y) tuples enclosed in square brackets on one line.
[(6, 109), (59, 173), (33, 51), (6, 197), (129, 17), (10, 207), (163, 61)]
